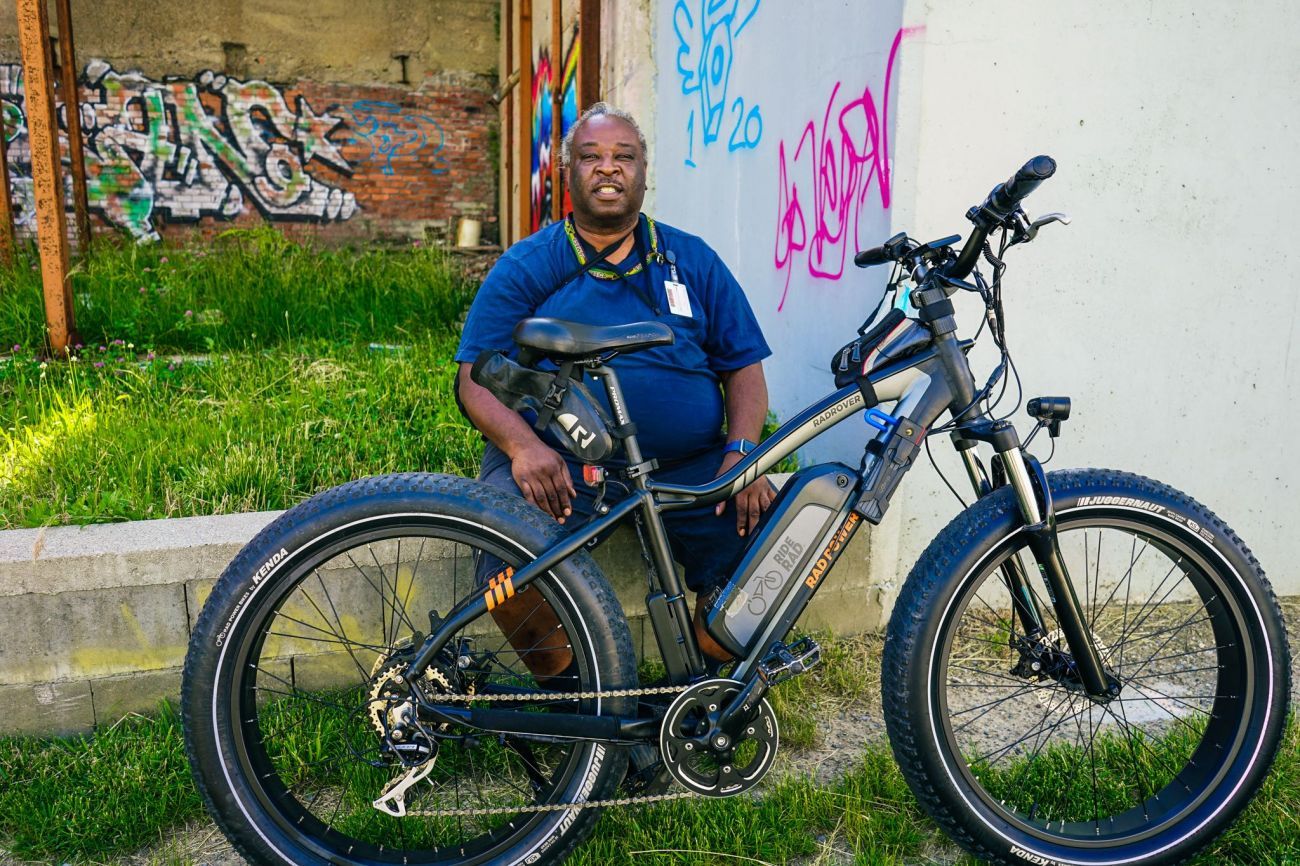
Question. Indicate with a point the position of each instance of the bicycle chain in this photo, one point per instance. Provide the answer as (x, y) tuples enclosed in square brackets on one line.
[(555, 807)]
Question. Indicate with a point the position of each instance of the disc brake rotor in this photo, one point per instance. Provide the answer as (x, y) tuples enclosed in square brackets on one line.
[(689, 741)]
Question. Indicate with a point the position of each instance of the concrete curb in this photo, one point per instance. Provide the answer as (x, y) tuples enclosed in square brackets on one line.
[(95, 620)]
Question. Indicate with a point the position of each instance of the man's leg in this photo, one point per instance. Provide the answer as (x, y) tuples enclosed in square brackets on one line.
[(708, 549), (526, 620)]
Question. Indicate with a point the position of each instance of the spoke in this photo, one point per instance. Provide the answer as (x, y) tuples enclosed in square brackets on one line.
[(329, 599), (303, 696), (1155, 634), (1038, 748), (1192, 652), (988, 708), (1091, 601), (1147, 690), (1137, 767), (383, 579), (384, 605), (415, 570), (1174, 631), (1140, 737), (1092, 759), (1127, 579), (988, 673), (1077, 717), (1149, 607), (280, 614), (1007, 748)]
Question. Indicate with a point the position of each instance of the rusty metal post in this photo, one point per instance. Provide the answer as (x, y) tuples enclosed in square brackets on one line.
[(42, 132), (589, 60), (72, 116), (525, 143), (557, 105), (6, 205)]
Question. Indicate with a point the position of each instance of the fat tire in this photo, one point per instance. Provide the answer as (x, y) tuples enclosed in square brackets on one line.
[(947, 562), (226, 794)]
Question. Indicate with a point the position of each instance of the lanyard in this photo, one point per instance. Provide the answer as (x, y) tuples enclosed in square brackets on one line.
[(645, 287)]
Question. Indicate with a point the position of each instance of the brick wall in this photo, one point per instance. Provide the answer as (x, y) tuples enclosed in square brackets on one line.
[(179, 156)]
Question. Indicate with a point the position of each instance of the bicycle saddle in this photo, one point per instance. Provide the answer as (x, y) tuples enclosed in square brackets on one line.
[(556, 338)]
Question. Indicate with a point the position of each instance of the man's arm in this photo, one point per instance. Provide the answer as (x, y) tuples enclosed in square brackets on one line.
[(745, 402), (538, 469)]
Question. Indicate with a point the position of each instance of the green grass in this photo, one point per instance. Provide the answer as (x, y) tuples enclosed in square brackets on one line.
[(250, 289), (138, 439), (92, 797), (104, 797)]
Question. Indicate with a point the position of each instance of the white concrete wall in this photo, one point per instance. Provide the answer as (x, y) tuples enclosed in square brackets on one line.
[(1167, 310)]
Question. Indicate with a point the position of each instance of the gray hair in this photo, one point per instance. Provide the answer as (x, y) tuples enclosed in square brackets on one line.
[(566, 146)]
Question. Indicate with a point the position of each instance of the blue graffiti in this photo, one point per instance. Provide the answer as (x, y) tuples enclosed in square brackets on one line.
[(390, 132), (705, 51)]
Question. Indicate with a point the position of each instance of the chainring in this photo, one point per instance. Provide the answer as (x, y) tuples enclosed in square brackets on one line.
[(689, 729)]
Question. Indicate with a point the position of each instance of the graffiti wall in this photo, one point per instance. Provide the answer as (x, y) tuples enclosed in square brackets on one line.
[(545, 77), (773, 138), (204, 151)]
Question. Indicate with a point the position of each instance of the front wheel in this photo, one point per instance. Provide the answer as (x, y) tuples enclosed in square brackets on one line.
[(304, 737), (991, 727)]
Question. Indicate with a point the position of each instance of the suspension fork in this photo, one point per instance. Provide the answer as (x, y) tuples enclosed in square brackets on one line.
[(1013, 573), (1035, 503), (1037, 510)]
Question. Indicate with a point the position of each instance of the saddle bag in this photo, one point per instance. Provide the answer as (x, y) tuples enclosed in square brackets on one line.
[(564, 405)]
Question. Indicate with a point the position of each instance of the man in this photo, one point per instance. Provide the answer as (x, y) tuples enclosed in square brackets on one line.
[(679, 395)]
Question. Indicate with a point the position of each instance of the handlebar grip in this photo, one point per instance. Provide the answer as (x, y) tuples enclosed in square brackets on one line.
[(872, 257), (1005, 197)]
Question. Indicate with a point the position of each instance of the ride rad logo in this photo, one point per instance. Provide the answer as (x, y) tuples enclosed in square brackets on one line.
[(1125, 501), (269, 565), (1031, 857), (576, 431)]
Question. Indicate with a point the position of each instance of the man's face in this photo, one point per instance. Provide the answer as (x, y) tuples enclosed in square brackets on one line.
[(607, 174)]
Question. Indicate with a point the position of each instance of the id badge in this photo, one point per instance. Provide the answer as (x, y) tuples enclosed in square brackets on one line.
[(679, 302)]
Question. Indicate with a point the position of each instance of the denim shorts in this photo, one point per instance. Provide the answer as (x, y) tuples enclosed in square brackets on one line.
[(705, 545)]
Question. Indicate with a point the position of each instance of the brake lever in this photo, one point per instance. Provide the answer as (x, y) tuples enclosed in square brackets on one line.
[(1031, 231)]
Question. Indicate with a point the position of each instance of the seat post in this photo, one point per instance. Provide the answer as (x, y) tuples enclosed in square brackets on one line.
[(614, 393)]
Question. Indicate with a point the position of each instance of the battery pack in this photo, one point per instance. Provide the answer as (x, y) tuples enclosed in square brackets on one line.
[(785, 563)]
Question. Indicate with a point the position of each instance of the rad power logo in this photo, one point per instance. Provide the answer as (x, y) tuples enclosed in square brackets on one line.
[(833, 550)]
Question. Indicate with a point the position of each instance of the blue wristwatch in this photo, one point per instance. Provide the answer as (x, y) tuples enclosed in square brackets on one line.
[(743, 446)]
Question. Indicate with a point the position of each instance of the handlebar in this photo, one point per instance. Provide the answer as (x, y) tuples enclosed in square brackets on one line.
[(1001, 203), (1006, 197)]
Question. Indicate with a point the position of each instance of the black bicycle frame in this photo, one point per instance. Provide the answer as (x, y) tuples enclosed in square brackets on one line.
[(913, 381), (925, 384)]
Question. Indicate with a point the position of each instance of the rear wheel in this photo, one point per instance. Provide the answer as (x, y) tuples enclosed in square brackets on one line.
[(298, 718), (992, 727)]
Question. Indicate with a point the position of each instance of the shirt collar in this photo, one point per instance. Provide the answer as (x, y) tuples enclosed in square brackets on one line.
[(582, 251)]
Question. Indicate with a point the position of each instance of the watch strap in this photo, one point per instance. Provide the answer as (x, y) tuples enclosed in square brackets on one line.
[(743, 446)]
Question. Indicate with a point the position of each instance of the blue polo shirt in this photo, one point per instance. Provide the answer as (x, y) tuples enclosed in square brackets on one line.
[(672, 392)]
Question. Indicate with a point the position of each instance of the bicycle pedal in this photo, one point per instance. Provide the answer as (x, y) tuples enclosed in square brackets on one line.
[(784, 662)]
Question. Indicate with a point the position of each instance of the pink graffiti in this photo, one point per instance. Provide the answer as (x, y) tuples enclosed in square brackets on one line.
[(838, 162)]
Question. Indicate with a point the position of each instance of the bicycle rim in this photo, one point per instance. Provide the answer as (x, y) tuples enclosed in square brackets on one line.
[(309, 699), (1171, 622)]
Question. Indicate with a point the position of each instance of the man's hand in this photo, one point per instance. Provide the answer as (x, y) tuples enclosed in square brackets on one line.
[(750, 502), (543, 478)]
